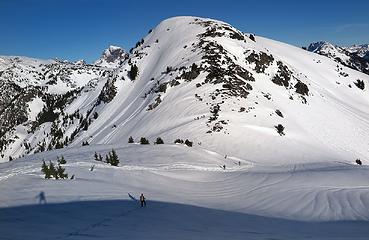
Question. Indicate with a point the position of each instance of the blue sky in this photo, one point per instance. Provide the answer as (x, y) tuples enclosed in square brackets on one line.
[(82, 29)]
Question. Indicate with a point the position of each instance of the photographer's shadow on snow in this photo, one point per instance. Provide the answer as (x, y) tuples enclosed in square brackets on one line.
[(41, 198), (124, 219)]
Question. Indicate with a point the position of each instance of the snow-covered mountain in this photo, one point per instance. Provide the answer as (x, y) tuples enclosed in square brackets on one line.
[(355, 56), (197, 78), (360, 50), (287, 123)]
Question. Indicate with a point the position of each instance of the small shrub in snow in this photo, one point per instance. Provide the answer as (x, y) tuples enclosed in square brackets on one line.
[(178, 141), (159, 140), (130, 140), (279, 113), (188, 143), (360, 84), (280, 129), (61, 160), (358, 162), (96, 115), (144, 141)]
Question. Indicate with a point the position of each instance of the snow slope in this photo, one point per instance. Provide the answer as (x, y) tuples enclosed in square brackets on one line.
[(202, 80), (189, 196)]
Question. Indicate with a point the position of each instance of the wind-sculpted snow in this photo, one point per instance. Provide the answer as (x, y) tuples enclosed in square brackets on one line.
[(180, 175)]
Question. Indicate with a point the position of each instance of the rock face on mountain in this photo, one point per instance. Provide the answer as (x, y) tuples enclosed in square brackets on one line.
[(112, 57), (355, 57), (193, 78)]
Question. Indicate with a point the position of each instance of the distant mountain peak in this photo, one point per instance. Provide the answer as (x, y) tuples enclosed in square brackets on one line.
[(355, 56), (113, 56), (320, 46)]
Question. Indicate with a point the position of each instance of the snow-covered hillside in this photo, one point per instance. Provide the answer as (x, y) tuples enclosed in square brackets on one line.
[(189, 196), (288, 124)]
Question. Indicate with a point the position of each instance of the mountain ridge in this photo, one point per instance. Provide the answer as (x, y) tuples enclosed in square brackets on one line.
[(227, 85), (355, 56)]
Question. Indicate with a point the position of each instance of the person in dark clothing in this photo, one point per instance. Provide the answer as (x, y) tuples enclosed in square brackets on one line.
[(143, 200)]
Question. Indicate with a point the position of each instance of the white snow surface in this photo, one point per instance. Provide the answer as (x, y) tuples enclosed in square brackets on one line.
[(189, 196), (303, 185)]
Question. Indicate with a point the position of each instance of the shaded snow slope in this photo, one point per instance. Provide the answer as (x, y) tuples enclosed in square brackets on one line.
[(122, 219)]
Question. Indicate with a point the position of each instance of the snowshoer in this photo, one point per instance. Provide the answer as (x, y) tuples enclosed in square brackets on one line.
[(143, 200)]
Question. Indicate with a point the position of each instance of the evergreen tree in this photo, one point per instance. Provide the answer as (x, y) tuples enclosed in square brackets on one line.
[(53, 171), (133, 72), (159, 140), (59, 145), (114, 160), (144, 141), (100, 158), (96, 156), (130, 140), (45, 170), (60, 172)]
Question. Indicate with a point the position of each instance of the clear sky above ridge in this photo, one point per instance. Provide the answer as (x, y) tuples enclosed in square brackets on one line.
[(82, 29)]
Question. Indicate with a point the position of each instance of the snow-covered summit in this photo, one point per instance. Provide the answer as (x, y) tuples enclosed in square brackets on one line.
[(112, 57)]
